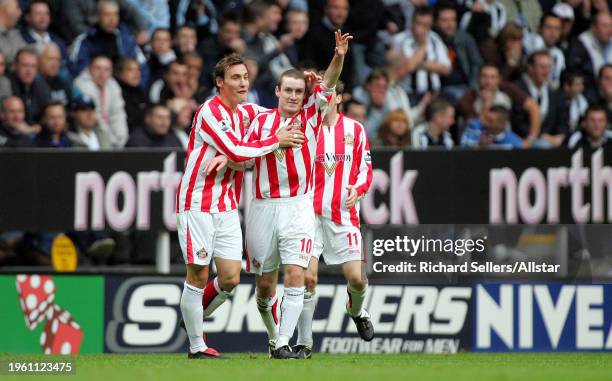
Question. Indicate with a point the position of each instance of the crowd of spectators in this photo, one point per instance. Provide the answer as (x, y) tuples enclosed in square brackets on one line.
[(421, 74)]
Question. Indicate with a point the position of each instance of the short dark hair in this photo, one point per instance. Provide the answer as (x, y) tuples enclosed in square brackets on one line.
[(603, 68), (569, 76), (548, 15), (157, 30), (442, 6), (596, 108), (25, 50), (377, 74), (532, 57), (488, 65), (351, 102), (28, 8), (98, 56), (229, 17), (54, 104), (422, 11), (123, 63), (151, 108), (500, 110), (224, 64), (435, 107), (291, 73), (255, 10)]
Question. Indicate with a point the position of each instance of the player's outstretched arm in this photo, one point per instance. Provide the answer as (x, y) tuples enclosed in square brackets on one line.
[(335, 66), (219, 162), (215, 131)]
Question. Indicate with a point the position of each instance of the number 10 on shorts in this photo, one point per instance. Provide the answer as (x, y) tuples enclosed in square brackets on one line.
[(306, 245)]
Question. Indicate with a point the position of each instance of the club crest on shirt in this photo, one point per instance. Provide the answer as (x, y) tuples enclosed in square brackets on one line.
[(280, 154), (201, 254), (295, 125), (349, 139)]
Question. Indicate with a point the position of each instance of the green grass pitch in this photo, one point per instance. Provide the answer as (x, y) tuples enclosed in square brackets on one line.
[(417, 367)]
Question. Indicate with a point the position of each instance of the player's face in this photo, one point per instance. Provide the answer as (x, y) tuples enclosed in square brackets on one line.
[(290, 93), (235, 83)]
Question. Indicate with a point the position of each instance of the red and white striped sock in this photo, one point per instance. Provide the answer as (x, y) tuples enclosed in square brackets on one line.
[(213, 297), (268, 310)]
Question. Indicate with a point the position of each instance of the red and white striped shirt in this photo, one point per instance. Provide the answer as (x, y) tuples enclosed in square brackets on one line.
[(215, 131), (342, 159), (287, 172)]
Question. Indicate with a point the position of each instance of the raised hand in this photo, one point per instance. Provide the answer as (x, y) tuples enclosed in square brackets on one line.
[(342, 42)]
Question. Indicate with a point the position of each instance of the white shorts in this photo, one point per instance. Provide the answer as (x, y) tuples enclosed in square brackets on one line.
[(338, 243), (204, 235), (279, 231)]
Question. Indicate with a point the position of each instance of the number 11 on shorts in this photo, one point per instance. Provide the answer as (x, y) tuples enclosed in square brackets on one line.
[(352, 238)]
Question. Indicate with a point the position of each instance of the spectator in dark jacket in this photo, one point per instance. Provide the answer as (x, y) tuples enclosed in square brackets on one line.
[(27, 85), (37, 19), (462, 50), (161, 53), (49, 62), (536, 83), (53, 134), (128, 76), (319, 42), (14, 131), (156, 131), (592, 49), (108, 37), (227, 41), (80, 15), (593, 134)]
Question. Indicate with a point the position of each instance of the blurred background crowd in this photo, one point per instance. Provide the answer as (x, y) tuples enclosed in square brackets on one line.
[(421, 74)]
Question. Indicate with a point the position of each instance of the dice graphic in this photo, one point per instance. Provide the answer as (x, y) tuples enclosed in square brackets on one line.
[(62, 335), (36, 295)]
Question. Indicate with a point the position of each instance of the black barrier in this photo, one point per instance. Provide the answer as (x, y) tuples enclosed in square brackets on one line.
[(69, 190)]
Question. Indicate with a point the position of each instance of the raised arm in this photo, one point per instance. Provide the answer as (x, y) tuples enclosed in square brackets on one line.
[(335, 66)]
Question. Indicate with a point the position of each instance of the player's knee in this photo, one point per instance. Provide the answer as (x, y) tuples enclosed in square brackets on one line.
[(311, 281), (265, 287), (229, 282), (358, 283), (196, 280), (294, 276)]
